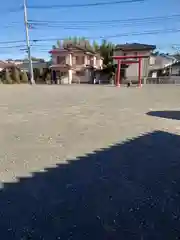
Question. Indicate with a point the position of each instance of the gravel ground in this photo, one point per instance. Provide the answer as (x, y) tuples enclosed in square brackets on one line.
[(84, 162)]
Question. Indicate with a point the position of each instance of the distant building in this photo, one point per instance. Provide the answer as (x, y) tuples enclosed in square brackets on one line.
[(74, 64), (175, 69), (160, 65), (6, 65), (129, 49), (24, 65)]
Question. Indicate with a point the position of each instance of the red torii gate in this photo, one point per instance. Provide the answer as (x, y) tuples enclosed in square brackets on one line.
[(121, 60)]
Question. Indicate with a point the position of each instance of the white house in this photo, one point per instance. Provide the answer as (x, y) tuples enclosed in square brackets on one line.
[(74, 64)]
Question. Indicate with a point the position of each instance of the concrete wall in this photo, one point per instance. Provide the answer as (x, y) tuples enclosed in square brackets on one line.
[(164, 80), (85, 77), (65, 79)]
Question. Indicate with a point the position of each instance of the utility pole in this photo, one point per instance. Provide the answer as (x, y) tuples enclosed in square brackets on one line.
[(28, 44)]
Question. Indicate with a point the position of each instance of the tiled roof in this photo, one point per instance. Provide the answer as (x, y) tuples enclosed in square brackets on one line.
[(71, 48), (135, 46), (6, 65)]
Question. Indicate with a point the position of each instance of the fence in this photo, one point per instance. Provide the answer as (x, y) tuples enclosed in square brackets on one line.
[(163, 80)]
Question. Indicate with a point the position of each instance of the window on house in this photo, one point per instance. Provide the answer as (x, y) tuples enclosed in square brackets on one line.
[(62, 74), (91, 62), (80, 73), (57, 73), (73, 60), (80, 60), (135, 54), (88, 60), (61, 60), (125, 54), (77, 59), (58, 60)]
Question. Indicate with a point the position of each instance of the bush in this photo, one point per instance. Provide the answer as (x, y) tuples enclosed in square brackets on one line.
[(24, 78), (7, 77), (15, 75)]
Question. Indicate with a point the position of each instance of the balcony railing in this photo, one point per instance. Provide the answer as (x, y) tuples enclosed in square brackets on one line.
[(77, 61)]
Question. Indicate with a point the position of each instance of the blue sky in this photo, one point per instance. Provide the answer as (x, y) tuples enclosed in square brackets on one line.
[(12, 27)]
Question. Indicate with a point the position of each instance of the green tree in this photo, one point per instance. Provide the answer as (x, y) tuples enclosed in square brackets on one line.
[(106, 51), (15, 75), (7, 77), (78, 41), (95, 46), (24, 77), (37, 59), (68, 41), (58, 43), (75, 40)]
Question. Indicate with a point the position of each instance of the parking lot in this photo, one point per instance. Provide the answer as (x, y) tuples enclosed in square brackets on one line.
[(45, 127)]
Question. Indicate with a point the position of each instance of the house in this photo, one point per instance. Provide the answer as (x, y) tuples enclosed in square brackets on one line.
[(39, 68), (5, 65), (160, 65), (36, 65), (130, 72), (16, 61), (74, 64), (175, 69), (2, 64)]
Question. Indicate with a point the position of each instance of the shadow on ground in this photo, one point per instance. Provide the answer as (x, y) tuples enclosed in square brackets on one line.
[(165, 114), (128, 191)]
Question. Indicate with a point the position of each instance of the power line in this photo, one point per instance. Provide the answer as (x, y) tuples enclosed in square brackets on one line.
[(11, 47), (156, 31), (82, 5), (46, 47), (11, 42), (84, 25), (68, 27), (109, 21), (11, 10), (159, 47), (11, 25)]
